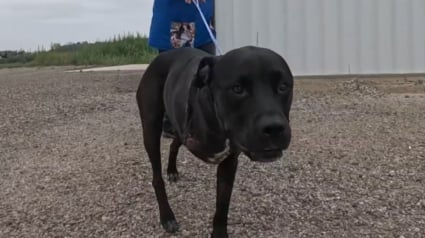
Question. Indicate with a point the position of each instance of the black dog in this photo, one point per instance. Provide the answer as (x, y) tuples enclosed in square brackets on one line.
[(220, 106)]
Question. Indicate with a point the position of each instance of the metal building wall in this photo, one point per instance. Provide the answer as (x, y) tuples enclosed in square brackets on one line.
[(319, 37)]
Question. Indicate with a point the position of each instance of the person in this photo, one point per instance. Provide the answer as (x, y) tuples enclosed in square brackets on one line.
[(177, 23)]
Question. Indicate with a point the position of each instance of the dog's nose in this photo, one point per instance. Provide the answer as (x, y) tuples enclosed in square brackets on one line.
[(273, 128)]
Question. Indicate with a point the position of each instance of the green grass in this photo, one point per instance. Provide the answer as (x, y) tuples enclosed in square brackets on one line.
[(129, 49), (13, 65)]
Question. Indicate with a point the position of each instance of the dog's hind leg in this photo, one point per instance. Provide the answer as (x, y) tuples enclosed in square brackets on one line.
[(173, 175), (151, 108)]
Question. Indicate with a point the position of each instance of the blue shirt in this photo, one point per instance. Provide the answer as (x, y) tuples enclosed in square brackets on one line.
[(165, 12)]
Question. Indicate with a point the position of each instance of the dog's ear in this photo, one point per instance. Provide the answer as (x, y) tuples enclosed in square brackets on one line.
[(204, 73)]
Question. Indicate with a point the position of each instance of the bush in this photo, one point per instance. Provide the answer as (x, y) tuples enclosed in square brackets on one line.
[(15, 57), (127, 49)]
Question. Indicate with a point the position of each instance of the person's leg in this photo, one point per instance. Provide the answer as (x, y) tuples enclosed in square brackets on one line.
[(167, 128)]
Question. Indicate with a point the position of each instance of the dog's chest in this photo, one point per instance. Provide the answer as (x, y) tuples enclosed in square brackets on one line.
[(211, 152)]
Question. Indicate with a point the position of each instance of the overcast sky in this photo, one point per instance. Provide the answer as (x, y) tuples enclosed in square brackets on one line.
[(29, 24)]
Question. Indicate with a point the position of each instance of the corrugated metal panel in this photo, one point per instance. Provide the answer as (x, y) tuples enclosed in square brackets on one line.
[(330, 36)]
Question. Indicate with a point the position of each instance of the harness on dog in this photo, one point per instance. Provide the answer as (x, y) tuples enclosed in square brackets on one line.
[(219, 51)]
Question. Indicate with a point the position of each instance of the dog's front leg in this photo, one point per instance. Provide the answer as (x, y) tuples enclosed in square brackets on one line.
[(225, 177)]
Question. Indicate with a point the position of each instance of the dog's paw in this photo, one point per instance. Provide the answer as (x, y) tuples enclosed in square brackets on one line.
[(170, 226), (219, 233), (173, 177)]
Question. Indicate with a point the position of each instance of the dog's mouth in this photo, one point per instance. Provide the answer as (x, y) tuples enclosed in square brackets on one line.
[(266, 155)]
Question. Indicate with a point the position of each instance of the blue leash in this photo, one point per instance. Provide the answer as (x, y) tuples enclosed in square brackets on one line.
[(219, 51)]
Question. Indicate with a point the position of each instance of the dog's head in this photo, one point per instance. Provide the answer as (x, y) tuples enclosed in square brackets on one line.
[(252, 92)]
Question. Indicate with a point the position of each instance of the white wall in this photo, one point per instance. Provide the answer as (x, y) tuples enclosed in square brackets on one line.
[(320, 37)]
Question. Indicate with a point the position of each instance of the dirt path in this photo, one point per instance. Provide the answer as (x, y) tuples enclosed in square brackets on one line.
[(72, 163)]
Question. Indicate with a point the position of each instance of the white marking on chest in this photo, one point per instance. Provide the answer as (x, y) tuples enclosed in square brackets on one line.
[(220, 156)]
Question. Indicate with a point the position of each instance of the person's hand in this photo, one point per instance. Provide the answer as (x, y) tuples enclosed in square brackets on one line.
[(190, 1)]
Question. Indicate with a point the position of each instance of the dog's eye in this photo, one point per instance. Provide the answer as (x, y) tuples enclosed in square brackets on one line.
[(282, 88), (238, 89)]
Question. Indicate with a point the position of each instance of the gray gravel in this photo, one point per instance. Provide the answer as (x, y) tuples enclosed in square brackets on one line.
[(72, 162)]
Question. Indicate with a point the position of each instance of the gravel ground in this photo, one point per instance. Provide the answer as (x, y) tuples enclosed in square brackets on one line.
[(72, 162)]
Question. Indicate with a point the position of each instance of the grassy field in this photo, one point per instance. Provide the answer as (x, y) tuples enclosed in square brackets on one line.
[(128, 49)]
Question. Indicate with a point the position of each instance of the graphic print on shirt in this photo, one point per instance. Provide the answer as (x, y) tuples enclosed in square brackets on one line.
[(182, 34)]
